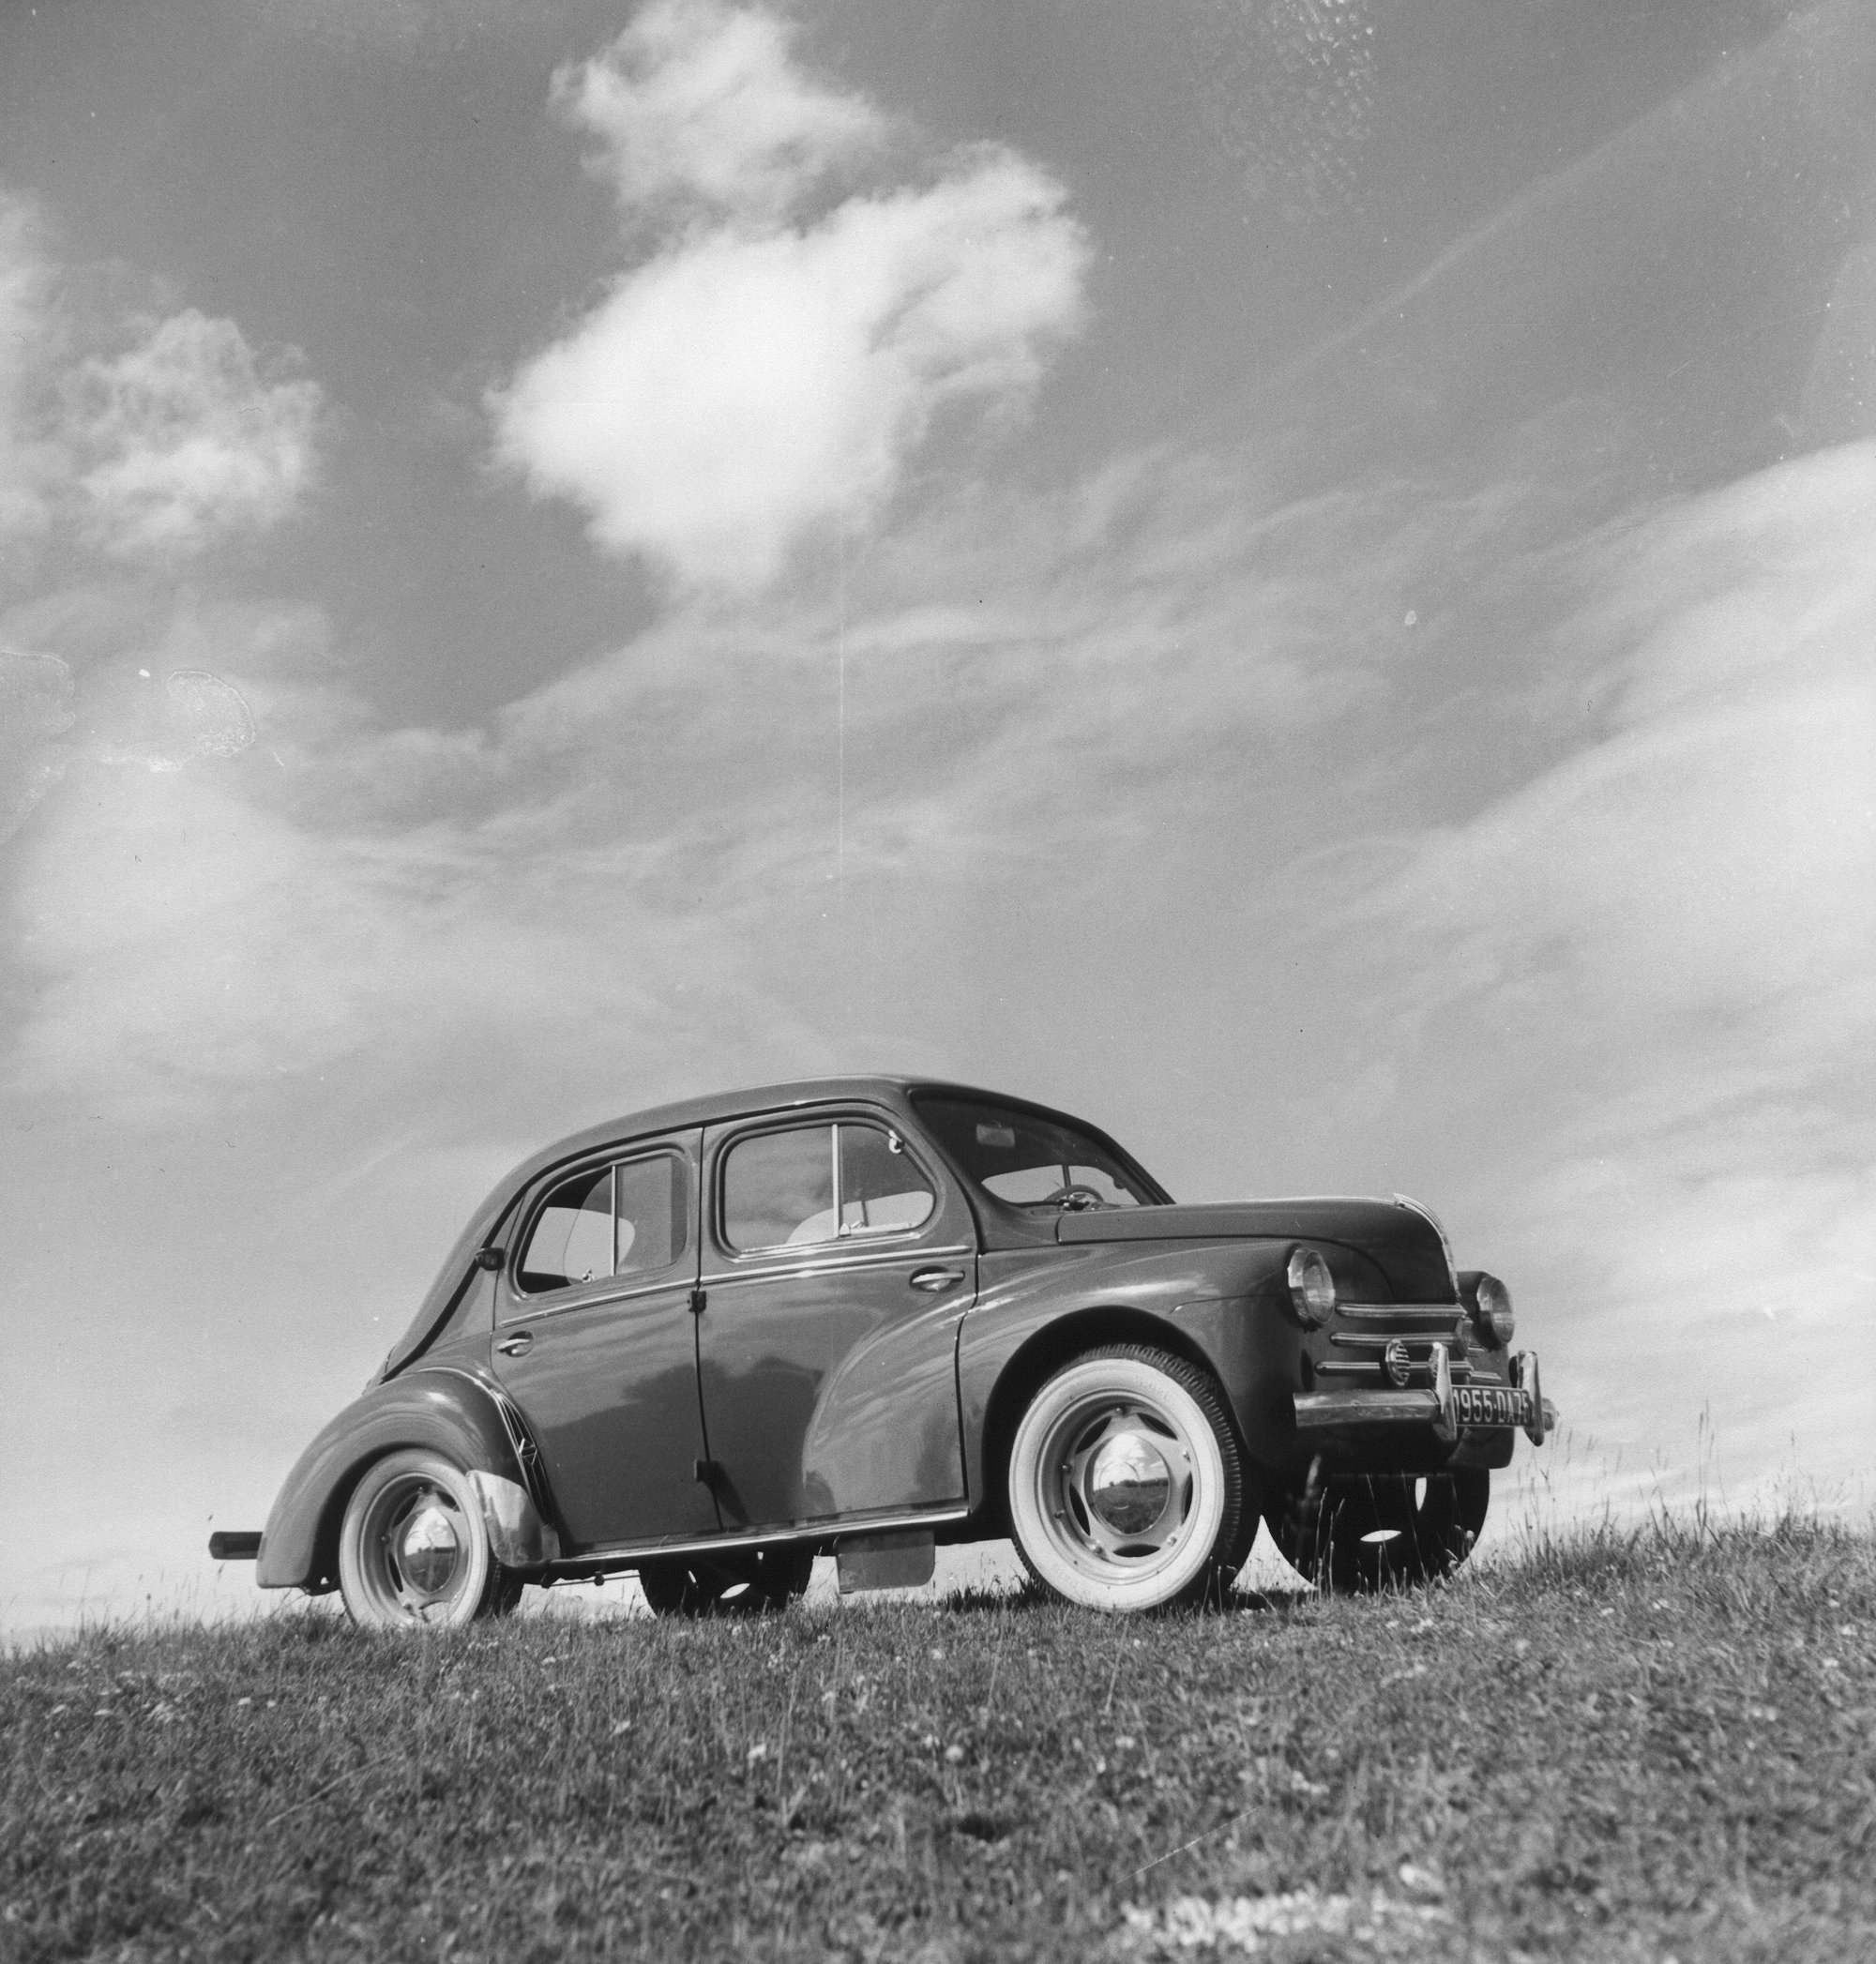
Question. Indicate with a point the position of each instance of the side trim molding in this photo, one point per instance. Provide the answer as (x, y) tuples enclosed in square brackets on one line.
[(629, 1554)]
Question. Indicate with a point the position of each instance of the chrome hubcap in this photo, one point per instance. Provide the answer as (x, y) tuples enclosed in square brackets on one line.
[(1128, 1483), (1122, 1476), (428, 1550), (418, 1554)]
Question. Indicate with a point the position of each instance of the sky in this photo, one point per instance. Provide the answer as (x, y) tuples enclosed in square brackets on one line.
[(1296, 577)]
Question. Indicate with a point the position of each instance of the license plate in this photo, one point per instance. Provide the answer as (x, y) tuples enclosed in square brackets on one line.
[(1502, 1405)]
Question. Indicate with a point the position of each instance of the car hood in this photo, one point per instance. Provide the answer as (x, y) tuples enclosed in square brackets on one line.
[(1398, 1236)]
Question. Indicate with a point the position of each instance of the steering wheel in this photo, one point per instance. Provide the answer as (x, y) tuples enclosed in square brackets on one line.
[(1074, 1199)]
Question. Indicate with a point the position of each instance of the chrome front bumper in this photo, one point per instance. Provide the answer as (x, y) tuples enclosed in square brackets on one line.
[(1317, 1409)]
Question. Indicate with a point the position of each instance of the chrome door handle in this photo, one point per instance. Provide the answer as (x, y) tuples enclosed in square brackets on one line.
[(513, 1346), (936, 1278)]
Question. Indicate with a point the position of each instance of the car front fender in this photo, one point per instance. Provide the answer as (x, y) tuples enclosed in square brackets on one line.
[(444, 1409)]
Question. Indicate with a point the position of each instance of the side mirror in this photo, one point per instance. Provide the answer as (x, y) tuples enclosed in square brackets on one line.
[(489, 1257)]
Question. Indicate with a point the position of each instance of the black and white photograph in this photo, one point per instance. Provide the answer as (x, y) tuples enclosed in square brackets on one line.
[(937, 981)]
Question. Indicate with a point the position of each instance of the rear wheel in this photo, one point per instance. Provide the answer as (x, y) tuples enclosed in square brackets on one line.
[(1126, 1488), (1380, 1531), (739, 1582), (414, 1552)]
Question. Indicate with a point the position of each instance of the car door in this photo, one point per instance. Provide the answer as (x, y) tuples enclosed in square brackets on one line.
[(838, 1262), (595, 1341)]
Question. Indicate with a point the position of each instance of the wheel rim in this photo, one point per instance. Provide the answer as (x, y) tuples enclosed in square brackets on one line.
[(1116, 1477), (416, 1551)]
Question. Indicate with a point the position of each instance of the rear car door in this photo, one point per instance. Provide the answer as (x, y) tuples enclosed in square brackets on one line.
[(838, 1262), (595, 1341)]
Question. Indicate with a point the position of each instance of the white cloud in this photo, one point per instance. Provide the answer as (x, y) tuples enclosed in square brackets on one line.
[(190, 441), (754, 379), (702, 105), (145, 438)]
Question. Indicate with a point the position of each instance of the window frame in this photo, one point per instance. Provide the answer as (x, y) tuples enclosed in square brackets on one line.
[(841, 1239), (535, 1302)]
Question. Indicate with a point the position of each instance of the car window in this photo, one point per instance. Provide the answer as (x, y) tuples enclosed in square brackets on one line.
[(1028, 1161), (882, 1190), (572, 1237), (632, 1218), (816, 1184), (652, 1215), (778, 1188)]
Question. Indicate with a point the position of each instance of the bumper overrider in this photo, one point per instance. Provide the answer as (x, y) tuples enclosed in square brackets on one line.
[(1448, 1408)]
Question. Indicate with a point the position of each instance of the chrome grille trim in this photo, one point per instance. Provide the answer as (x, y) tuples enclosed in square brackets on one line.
[(1444, 1316), (1349, 1340)]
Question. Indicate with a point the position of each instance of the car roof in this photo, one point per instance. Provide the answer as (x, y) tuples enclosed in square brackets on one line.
[(719, 1106)]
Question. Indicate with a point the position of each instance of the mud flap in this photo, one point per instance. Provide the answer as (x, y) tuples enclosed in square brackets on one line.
[(906, 1559)]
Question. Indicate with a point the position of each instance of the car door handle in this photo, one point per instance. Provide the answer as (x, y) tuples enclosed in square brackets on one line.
[(936, 1278), (514, 1346)]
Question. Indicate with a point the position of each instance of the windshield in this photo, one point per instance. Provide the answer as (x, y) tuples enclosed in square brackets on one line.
[(1026, 1161)]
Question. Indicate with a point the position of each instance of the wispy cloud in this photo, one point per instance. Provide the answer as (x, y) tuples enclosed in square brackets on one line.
[(701, 109), (143, 436), (756, 377), (187, 440), (1654, 959)]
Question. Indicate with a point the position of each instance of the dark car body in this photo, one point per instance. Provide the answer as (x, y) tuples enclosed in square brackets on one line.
[(717, 1398)]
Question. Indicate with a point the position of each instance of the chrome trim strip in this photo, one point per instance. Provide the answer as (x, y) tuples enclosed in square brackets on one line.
[(626, 1554), (1434, 1339), (1422, 1312), (514, 1308)]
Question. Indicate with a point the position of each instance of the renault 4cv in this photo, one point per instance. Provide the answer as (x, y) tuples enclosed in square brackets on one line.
[(868, 1316)]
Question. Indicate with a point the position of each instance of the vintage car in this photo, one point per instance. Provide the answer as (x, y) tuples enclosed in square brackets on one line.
[(869, 1315)]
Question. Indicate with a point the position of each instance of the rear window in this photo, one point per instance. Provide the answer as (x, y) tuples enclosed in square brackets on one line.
[(1026, 1161)]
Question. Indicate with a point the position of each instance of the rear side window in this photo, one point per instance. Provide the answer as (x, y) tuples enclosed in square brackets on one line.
[(632, 1218), (818, 1184)]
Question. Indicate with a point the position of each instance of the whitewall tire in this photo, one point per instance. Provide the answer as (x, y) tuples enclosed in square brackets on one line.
[(414, 1550), (1127, 1486)]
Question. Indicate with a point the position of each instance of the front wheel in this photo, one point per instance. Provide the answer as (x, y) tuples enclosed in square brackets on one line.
[(1126, 1486), (741, 1581), (413, 1551), (1378, 1531)]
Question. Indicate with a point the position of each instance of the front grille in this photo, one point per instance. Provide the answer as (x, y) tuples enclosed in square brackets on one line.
[(1420, 1327)]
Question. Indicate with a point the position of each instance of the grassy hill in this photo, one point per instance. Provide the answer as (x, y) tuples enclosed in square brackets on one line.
[(1651, 1745)]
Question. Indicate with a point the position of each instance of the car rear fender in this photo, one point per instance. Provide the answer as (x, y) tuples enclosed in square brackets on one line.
[(445, 1409)]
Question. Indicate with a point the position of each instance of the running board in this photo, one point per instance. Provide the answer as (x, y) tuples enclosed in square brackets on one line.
[(627, 1555)]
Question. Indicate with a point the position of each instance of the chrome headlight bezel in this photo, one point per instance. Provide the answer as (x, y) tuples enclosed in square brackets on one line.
[(1492, 1312), (1312, 1288)]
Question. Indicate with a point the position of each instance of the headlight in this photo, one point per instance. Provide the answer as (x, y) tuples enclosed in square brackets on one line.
[(1312, 1288), (1495, 1314)]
